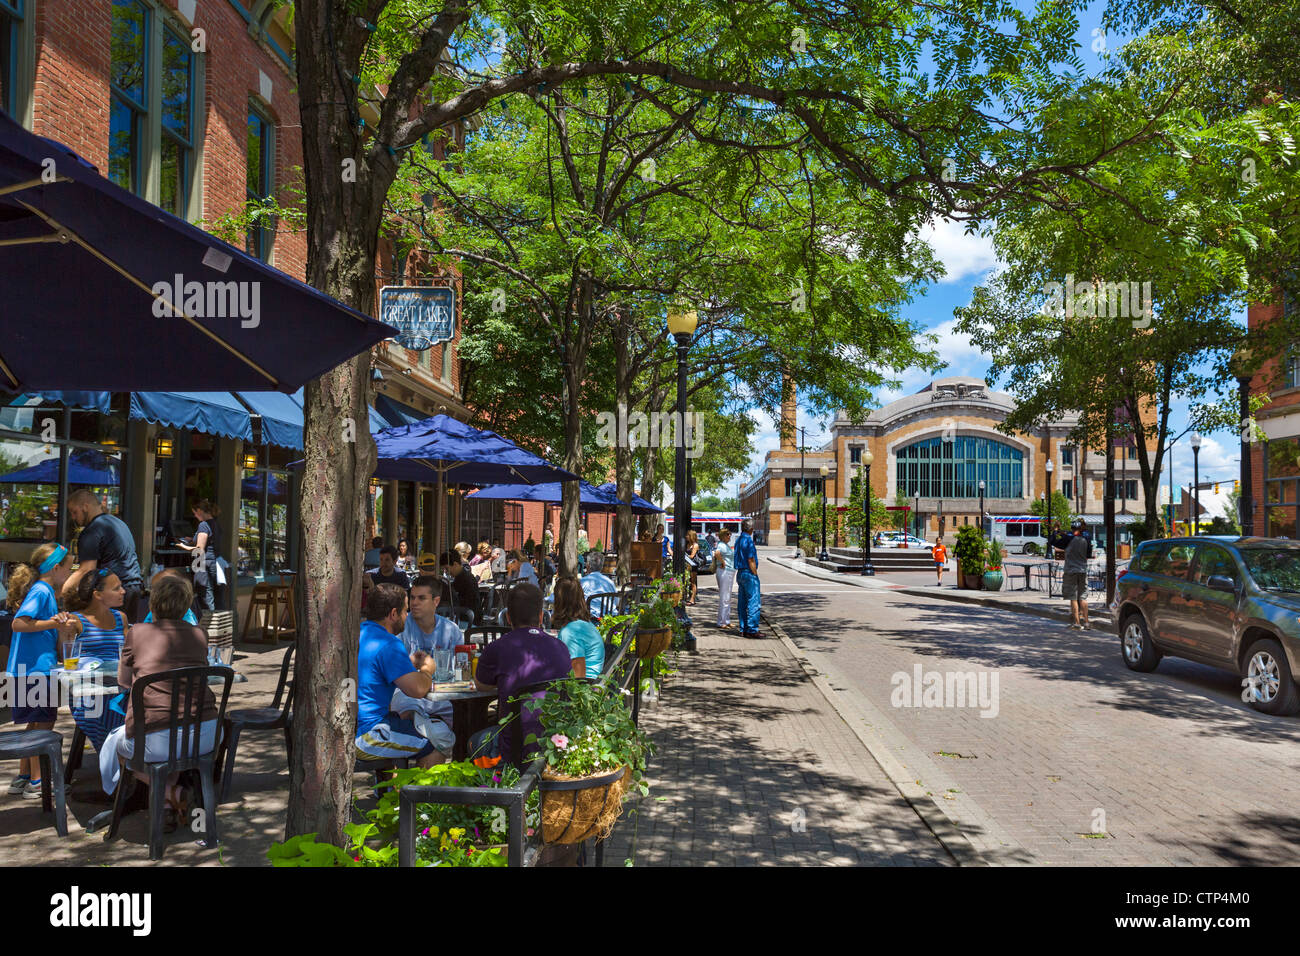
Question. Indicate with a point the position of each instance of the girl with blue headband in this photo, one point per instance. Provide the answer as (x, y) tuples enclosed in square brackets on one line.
[(37, 627)]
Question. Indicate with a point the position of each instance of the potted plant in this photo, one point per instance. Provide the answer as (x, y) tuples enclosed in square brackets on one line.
[(969, 551), (992, 577), (594, 756), (671, 588), (655, 624)]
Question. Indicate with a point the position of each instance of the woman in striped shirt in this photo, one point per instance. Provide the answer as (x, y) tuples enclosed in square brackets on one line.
[(103, 628)]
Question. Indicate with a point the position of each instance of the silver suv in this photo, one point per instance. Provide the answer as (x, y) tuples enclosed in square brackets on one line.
[(1233, 603)]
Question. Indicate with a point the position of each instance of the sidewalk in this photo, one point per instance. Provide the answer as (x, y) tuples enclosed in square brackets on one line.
[(923, 584), (754, 767)]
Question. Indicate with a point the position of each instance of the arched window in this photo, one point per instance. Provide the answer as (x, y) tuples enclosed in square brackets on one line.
[(934, 468)]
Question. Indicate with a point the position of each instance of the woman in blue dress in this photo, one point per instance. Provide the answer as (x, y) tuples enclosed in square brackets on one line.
[(103, 629)]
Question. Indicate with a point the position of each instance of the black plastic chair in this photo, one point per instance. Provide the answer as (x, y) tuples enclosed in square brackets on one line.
[(48, 746), (485, 634), (183, 741), (603, 603), (379, 767), (275, 717)]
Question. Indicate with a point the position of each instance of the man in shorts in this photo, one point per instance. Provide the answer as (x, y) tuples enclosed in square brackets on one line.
[(383, 667), (1078, 549)]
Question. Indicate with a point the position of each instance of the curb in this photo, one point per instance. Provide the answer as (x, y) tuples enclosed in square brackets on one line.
[(950, 837)]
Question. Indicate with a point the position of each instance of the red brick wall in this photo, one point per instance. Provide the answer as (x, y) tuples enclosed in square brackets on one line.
[(72, 101)]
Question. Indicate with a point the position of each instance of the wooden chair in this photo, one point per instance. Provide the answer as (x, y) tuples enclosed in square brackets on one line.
[(274, 601)]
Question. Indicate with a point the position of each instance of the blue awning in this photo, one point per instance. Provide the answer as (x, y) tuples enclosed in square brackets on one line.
[(216, 413), (282, 416), (94, 401), (395, 413)]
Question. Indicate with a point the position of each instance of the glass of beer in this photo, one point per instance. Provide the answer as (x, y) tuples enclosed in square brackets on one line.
[(71, 654)]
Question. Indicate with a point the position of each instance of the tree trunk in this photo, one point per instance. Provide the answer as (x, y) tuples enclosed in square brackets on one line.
[(570, 519), (342, 235), (623, 458)]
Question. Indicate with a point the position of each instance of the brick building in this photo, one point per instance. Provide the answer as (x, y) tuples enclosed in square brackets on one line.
[(933, 448), (1275, 461)]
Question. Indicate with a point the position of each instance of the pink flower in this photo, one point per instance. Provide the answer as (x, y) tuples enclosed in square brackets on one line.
[(560, 741)]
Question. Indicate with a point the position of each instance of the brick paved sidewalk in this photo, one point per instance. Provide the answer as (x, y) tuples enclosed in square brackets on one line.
[(754, 767)]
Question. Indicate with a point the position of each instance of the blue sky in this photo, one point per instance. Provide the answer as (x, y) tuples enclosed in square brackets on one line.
[(968, 261)]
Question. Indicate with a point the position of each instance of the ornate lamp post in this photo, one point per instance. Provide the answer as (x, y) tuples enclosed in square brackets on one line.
[(682, 326), (865, 471), (981, 506), (1196, 482), (825, 555), (1050, 468), (1241, 363), (798, 495)]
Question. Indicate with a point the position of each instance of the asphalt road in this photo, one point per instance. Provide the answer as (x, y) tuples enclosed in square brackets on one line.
[(1069, 757)]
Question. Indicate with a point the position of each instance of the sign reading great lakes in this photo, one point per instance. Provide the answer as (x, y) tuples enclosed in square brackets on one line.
[(425, 314)]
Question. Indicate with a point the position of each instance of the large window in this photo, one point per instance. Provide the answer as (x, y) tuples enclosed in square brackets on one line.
[(260, 182), (811, 486), (151, 114), (953, 469), (264, 506), (1122, 490)]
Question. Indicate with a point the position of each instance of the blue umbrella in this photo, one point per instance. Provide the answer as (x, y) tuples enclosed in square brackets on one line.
[(639, 505), (79, 256), (442, 449), (252, 485), (85, 467), (589, 497)]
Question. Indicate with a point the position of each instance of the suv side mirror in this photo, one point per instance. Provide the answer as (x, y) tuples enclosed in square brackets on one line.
[(1221, 582)]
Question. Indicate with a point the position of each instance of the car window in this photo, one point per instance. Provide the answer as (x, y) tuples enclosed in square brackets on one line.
[(1212, 560), (1176, 561), (1014, 531), (1149, 558)]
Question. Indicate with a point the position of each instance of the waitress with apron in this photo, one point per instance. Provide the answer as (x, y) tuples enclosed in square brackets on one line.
[(206, 597)]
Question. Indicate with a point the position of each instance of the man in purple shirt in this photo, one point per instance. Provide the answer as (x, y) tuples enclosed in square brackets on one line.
[(526, 655)]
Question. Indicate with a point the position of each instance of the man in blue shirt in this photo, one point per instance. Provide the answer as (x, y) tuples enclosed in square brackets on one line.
[(383, 667), (748, 602), (596, 583)]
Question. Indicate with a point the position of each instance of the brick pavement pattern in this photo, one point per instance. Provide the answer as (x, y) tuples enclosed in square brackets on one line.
[(1171, 765), (753, 767)]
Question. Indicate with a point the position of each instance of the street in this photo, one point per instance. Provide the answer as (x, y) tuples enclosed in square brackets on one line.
[(1075, 760)]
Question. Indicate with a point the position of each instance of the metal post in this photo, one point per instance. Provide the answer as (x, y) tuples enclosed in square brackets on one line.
[(825, 555), (798, 497), (866, 510), (1247, 500), (1196, 488), (679, 475), (981, 507)]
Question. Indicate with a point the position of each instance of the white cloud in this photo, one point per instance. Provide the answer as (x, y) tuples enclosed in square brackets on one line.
[(962, 255)]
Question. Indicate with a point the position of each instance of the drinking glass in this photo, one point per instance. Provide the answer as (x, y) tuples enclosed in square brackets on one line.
[(442, 658), (71, 654)]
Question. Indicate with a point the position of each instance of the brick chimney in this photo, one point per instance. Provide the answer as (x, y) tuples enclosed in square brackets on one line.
[(789, 414)]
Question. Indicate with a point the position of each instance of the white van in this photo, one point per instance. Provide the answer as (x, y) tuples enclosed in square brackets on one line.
[(1016, 531)]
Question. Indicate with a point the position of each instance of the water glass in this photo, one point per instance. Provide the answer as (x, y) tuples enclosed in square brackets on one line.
[(71, 654), (442, 658)]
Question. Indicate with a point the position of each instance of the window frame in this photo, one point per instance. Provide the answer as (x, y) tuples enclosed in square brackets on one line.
[(188, 147), (265, 233), (1194, 573), (934, 468)]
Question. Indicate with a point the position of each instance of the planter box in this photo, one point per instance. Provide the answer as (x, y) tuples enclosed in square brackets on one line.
[(992, 580), (574, 809), (650, 643)]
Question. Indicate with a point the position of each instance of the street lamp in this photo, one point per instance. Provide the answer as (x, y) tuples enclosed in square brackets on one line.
[(981, 506), (682, 326), (1050, 468), (1241, 362), (1196, 482), (798, 494), (825, 555), (867, 459)]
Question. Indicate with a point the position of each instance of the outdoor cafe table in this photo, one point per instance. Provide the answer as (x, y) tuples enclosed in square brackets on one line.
[(468, 714)]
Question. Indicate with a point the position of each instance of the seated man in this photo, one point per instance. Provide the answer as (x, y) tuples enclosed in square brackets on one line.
[(425, 631), (387, 572), (463, 581), (371, 558), (526, 655), (383, 667), (596, 583)]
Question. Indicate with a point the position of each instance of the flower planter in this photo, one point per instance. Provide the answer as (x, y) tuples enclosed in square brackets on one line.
[(652, 642), (972, 582), (673, 597), (992, 581), (574, 809)]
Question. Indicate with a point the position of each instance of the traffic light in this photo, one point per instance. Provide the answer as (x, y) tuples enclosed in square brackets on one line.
[(1236, 487), (1216, 487)]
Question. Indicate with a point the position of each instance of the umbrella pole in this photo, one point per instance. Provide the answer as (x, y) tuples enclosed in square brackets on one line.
[(441, 498)]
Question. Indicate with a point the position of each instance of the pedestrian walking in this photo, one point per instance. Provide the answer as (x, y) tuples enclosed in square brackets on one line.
[(726, 577), (692, 552), (748, 603), (1074, 579), (940, 559)]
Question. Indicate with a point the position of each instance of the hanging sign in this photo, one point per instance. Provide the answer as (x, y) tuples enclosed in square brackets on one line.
[(425, 315)]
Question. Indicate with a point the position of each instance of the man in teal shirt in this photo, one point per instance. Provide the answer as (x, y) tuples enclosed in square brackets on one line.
[(749, 600)]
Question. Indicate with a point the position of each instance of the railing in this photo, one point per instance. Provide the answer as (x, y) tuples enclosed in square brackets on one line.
[(622, 670), (1048, 576)]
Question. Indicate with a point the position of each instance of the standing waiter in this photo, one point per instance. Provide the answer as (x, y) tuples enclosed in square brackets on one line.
[(105, 542)]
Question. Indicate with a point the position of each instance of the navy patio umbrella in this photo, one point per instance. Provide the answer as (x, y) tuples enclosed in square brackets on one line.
[(639, 505), (85, 467), (102, 290), (443, 449), (590, 498)]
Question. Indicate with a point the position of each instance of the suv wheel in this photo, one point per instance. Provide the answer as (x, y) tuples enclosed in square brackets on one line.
[(1268, 675), (1140, 654)]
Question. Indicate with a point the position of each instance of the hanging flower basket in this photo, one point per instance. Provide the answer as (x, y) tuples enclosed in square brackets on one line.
[(653, 641), (574, 809)]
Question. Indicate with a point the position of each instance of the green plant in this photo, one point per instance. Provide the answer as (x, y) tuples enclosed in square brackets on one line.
[(994, 554), (1139, 531), (969, 549), (670, 584), (529, 547), (588, 730), (598, 546), (612, 627)]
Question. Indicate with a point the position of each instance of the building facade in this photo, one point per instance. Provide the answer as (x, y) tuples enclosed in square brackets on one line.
[(1275, 454), (934, 448)]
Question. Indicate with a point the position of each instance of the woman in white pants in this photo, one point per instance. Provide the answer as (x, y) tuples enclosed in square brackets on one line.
[(726, 577)]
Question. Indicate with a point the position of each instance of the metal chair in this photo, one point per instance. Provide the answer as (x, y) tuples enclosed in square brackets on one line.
[(48, 746), (184, 738), (485, 634), (275, 717), (603, 603)]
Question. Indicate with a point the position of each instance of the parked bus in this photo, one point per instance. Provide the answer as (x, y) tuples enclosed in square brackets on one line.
[(1017, 531), (702, 522)]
